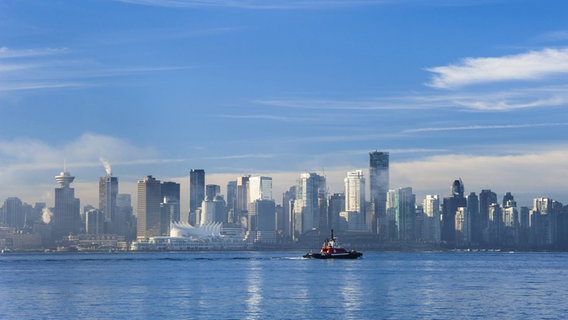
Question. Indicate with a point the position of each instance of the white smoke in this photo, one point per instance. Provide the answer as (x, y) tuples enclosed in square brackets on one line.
[(46, 215), (106, 165)]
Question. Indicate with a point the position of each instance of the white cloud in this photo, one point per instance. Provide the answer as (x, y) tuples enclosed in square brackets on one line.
[(529, 174), (526, 66), (28, 167)]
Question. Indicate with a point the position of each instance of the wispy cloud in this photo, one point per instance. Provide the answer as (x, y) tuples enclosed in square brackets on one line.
[(554, 36), (255, 117), (487, 127), (6, 53), (258, 4), (526, 66), (242, 156), (35, 69), (486, 101)]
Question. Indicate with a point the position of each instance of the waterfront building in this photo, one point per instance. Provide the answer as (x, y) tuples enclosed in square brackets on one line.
[(379, 187), (288, 199), (495, 225), (355, 194), (231, 200), (511, 221), (171, 196), (401, 205), (261, 222), (486, 199), (127, 222), (169, 213), (310, 188), (196, 192), (108, 189), (260, 188), (544, 221), (66, 212), (94, 222), (476, 232), (149, 210), (12, 213), (431, 207), (212, 190), (242, 200), (449, 209), (335, 207), (462, 225)]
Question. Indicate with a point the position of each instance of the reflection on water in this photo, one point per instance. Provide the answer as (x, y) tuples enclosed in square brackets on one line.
[(273, 285), (349, 285), (254, 289)]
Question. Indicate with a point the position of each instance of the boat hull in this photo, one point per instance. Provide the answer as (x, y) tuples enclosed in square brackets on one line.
[(348, 255)]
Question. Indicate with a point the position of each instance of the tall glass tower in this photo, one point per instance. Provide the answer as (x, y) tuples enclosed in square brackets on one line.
[(108, 189), (379, 184), (307, 207), (196, 192), (355, 192), (66, 213)]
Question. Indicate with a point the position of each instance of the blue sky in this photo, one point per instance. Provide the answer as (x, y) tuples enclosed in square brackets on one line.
[(470, 89)]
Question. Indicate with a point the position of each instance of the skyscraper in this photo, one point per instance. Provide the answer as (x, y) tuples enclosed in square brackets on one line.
[(196, 192), (335, 207), (402, 205), (170, 206), (355, 192), (66, 213), (379, 185), (149, 211), (432, 211), (212, 190), (241, 209), (231, 200), (12, 213), (450, 206), (108, 189), (260, 188), (486, 199), (127, 226), (307, 205)]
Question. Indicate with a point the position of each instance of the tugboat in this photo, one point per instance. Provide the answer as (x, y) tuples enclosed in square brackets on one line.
[(331, 250)]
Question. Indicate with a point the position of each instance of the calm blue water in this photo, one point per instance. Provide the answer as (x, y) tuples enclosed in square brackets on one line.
[(279, 285)]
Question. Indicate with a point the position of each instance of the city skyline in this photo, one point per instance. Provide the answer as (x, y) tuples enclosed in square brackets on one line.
[(461, 89)]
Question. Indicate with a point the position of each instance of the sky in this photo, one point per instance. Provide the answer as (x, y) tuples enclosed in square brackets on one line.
[(476, 90)]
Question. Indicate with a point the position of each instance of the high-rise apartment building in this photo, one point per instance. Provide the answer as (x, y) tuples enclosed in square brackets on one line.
[(307, 211), (12, 213), (450, 206), (108, 189), (379, 186), (212, 190), (401, 204), (149, 210), (66, 212), (231, 200), (196, 192), (242, 201), (355, 191), (431, 207), (260, 188), (171, 203)]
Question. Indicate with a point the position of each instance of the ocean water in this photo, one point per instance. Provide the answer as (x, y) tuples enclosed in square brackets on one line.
[(282, 285)]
